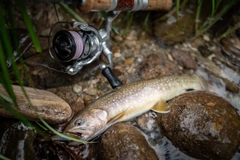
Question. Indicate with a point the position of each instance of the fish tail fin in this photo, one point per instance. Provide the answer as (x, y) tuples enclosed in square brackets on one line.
[(161, 107)]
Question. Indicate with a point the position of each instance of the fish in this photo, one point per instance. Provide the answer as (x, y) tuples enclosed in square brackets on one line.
[(127, 102)]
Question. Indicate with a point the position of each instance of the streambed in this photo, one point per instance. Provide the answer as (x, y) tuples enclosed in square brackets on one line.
[(136, 56)]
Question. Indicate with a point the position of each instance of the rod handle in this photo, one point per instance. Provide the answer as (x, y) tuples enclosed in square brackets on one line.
[(125, 5), (112, 79)]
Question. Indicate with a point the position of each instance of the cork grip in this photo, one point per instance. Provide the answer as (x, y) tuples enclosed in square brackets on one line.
[(103, 5), (159, 5)]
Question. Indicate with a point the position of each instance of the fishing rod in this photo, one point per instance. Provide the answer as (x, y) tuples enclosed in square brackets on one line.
[(124, 5), (116, 5), (85, 43), (82, 44)]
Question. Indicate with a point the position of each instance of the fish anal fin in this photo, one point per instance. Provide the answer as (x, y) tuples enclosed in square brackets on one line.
[(161, 107)]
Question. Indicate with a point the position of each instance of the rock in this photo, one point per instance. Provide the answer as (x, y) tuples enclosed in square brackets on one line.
[(175, 28), (202, 125), (77, 88), (45, 104), (147, 121), (53, 151), (231, 48), (78, 105), (156, 65), (79, 151), (205, 52), (17, 140), (183, 58), (123, 141)]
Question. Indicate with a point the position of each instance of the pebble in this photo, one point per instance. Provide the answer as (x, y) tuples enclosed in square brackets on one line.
[(117, 55), (92, 91), (128, 61), (77, 88), (206, 38), (118, 38)]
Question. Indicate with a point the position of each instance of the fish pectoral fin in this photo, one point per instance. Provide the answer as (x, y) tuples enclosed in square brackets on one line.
[(161, 107), (117, 117)]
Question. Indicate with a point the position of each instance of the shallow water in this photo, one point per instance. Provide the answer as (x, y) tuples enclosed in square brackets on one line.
[(163, 147)]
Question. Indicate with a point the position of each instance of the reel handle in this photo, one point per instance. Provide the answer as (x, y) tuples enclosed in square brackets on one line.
[(112, 79), (125, 5)]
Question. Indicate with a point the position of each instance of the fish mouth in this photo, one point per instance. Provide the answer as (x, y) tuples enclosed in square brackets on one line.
[(80, 133)]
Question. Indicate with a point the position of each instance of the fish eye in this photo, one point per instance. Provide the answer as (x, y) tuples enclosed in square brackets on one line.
[(79, 122)]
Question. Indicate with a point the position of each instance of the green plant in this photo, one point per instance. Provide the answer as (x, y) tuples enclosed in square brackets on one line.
[(7, 47), (6, 51), (218, 10)]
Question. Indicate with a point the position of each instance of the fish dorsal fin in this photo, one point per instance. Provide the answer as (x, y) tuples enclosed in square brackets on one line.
[(161, 107)]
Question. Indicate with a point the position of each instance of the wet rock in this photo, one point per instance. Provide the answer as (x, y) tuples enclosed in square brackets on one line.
[(123, 141), (50, 150), (78, 105), (79, 151), (44, 104), (205, 52), (156, 65), (202, 125), (147, 121), (183, 58), (77, 88), (17, 140), (175, 28), (231, 48), (230, 71)]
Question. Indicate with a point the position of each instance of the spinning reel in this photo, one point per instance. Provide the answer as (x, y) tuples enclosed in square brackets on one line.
[(81, 45)]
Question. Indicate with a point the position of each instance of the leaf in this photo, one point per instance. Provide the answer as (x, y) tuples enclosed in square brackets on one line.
[(6, 98), (72, 12), (29, 25), (3, 157)]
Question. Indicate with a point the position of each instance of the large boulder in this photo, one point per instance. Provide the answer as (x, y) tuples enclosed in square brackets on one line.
[(124, 141), (202, 125)]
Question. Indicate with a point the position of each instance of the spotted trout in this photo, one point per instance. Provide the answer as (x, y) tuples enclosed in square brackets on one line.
[(127, 102)]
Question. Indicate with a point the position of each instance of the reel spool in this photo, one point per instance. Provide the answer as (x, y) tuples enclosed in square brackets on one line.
[(74, 48), (81, 45)]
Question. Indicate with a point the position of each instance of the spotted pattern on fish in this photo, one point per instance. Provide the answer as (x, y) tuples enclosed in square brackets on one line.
[(129, 101)]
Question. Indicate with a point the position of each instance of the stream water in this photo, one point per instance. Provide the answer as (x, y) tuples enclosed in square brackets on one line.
[(129, 53)]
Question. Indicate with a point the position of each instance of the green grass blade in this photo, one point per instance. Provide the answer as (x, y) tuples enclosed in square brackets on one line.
[(55, 9), (229, 31), (4, 158), (62, 135), (146, 20), (177, 7), (5, 78), (104, 15), (10, 52), (7, 106), (129, 22), (209, 23), (213, 8), (29, 26), (6, 98), (72, 12), (198, 12)]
